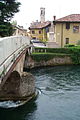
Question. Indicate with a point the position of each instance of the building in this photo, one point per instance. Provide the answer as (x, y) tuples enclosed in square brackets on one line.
[(19, 30), (67, 29), (42, 14), (39, 30)]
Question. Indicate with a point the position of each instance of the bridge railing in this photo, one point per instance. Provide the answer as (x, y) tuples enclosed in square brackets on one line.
[(10, 48)]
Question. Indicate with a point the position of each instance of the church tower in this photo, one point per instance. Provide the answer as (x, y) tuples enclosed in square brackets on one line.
[(42, 14)]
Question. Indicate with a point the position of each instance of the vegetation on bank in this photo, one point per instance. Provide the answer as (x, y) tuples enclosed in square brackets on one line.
[(46, 54)]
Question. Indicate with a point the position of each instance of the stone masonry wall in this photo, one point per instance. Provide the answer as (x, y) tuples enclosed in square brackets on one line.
[(18, 88), (30, 63)]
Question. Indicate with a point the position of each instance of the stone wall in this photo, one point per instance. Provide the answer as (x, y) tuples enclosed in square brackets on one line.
[(27, 85), (30, 63), (18, 88)]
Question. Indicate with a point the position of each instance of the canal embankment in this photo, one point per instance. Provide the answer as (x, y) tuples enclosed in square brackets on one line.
[(52, 56)]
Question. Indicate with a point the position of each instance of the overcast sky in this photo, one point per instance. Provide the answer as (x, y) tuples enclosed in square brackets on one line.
[(30, 10)]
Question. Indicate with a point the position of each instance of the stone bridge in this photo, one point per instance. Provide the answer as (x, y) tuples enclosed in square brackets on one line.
[(12, 55)]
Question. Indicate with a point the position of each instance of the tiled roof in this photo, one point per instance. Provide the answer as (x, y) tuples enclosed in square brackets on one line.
[(39, 25), (70, 18), (20, 28)]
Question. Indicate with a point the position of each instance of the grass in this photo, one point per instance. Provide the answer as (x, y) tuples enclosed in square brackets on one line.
[(43, 53)]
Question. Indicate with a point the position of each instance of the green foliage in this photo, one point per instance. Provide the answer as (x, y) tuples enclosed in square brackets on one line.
[(45, 56), (78, 43), (7, 8), (76, 56), (69, 45), (75, 59), (6, 29), (14, 23), (54, 50), (49, 53)]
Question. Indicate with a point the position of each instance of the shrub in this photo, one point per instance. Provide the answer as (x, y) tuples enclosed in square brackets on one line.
[(78, 43), (46, 56), (69, 45), (54, 50)]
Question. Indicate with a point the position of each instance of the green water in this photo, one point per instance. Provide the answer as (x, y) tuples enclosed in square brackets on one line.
[(59, 96)]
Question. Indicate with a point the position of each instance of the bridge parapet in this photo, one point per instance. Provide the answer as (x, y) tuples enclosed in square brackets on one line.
[(10, 49)]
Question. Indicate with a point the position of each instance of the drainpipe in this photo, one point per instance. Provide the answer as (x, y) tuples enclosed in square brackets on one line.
[(62, 35)]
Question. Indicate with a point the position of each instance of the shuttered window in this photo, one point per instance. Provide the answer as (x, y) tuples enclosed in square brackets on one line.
[(33, 32), (75, 29), (67, 26)]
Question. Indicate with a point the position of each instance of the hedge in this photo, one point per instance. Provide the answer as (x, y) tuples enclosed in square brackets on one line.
[(71, 50), (49, 53), (46, 56)]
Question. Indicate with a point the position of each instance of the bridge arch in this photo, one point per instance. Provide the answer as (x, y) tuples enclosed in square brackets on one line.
[(12, 86)]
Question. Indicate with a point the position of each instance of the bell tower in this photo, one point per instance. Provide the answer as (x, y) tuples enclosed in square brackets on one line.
[(42, 14)]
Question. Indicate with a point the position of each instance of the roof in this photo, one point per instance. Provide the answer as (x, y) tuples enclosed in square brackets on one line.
[(69, 18), (19, 27), (39, 25)]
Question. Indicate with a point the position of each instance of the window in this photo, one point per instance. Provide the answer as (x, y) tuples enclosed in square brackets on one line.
[(39, 32), (41, 12), (67, 41), (33, 32), (75, 29), (34, 37), (47, 29), (67, 26)]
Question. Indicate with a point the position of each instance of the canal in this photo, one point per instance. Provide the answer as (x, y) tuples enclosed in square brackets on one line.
[(58, 99)]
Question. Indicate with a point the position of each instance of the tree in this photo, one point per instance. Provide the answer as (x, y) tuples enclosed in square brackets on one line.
[(7, 10), (14, 22)]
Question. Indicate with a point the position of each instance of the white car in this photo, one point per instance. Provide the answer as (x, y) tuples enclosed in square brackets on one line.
[(37, 43)]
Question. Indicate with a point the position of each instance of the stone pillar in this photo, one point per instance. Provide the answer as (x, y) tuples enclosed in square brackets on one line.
[(18, 88)]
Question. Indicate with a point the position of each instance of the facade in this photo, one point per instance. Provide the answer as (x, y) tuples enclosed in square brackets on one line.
[(39, 30), (19, 30), (67, 30)]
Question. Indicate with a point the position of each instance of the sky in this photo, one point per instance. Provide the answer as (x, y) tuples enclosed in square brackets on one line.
[(30, 10)]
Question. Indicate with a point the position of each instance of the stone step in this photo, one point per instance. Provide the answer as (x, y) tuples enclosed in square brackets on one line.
[(52, 45)]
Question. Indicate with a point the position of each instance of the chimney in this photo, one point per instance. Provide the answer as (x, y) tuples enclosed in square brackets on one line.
[(54, 18)]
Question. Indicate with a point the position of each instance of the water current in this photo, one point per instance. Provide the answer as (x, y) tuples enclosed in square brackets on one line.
[(58, 99)]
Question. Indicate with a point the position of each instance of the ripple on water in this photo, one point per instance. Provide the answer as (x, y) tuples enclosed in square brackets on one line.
[(56, 78), (59, 97)]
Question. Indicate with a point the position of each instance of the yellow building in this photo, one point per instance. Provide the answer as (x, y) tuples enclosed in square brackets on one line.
[(39, 30), (67, 30)]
